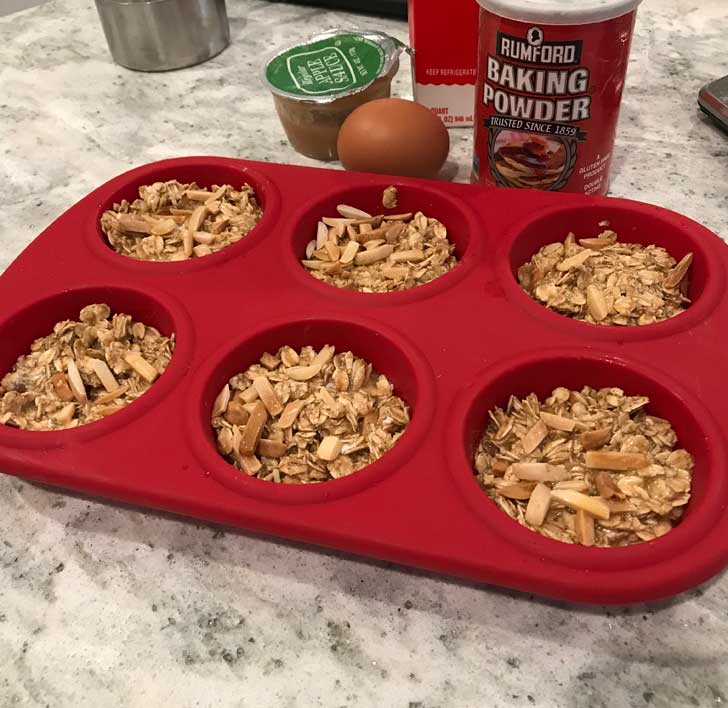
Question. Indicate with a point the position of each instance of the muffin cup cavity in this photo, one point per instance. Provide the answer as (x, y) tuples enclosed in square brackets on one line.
[(634, 223), (387, 351), (463, 230), (696, 431), (205, 172), (22, 327)]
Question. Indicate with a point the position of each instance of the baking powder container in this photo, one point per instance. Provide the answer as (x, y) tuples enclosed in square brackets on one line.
[(158, 35), (548, 91)]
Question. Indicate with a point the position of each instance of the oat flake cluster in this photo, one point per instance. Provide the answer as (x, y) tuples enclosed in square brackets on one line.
[(84, 371), (379, 254), (307, 416), (173, 222), (589, 467), (602, 281)]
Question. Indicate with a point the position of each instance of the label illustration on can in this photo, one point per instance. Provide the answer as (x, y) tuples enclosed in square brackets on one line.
[(547, 103)]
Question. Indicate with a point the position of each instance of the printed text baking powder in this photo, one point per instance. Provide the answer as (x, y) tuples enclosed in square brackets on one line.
[(550, 79)]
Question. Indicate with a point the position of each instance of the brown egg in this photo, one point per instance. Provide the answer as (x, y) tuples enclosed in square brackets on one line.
[(391, 136)]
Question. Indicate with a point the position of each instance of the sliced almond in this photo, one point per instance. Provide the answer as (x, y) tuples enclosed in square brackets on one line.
[(188, 242), (575, 261), (133, 224), (584, 528), (141, 366), (59, 382), (102, 370), (675, 276), (538, 505), (396, 230), (519, 490), (162, 227), (251, 464), (289, 415), (349, 252), (322, 234), (203, 237), (395, 273), (198, 195), (324, 356), (534, 437), (605, 485), (539, 472), (596, 506), (619, 461), (594, 439), (253, 429), (398, 217), (302, 373), (596, 302), (267, 395), (197, 217), (310, 249), (333, 251), (499, 468), (371, 235), (376, 254), (76, 382), (350, 212), (221, 401), (202, 250), (65, 415), (330, 448), (236, 413), (249, 394), (413, 256), (558, 422), (110, 396), (271, 448)]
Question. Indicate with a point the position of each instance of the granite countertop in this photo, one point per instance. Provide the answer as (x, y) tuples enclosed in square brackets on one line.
[(102, 605)]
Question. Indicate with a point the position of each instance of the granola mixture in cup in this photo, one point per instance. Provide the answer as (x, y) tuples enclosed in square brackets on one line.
[(171, 221), (590, 467), (84, 371), (298, 417), (379, 253), (602, 281), (317, 84)]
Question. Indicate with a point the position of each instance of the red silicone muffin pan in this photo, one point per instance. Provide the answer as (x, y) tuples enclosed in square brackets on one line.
[(453, 348)]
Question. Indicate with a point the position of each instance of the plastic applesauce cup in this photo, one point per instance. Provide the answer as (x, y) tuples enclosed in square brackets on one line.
[(317, 84), (548, 91)]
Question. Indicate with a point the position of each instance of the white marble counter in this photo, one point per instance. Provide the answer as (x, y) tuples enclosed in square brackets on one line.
[(107, 606)]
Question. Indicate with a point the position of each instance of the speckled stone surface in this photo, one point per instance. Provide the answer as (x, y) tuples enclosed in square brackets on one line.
[(108, 606)]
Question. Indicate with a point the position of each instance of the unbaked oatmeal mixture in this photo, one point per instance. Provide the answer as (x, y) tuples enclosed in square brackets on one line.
[(306, 416), (590, 467), (171, 221), (379, 253), (602, 281), (84, 371)]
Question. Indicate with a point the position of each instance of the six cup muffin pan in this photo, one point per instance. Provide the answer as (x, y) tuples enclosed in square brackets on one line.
[(453, 348)]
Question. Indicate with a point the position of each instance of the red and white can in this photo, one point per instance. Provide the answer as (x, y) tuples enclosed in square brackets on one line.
[(548, 91)]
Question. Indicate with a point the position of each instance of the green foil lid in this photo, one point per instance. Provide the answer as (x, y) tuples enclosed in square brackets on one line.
[(331, 65)]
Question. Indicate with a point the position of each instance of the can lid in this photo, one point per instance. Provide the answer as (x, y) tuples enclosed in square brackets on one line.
[(331, 64), (560, 12)]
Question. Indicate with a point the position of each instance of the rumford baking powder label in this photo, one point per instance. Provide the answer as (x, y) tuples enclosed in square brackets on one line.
[(547, 102)]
